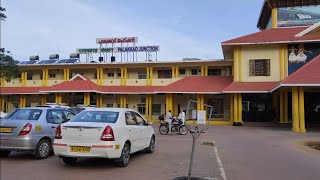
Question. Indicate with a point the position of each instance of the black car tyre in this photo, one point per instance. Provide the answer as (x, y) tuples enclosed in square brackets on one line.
[(69, 160), (163, 129), (152, 145), (43, 149), (4, 153), (123, 161), (183, 130)]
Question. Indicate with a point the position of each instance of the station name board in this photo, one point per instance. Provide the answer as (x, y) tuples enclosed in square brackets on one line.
[(117, 40), (118, 49)]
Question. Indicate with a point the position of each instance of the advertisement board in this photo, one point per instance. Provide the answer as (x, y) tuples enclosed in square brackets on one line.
[(298, 16)]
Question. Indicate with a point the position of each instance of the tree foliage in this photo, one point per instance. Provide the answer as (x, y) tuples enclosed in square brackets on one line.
[(8, 66), (2, 15)]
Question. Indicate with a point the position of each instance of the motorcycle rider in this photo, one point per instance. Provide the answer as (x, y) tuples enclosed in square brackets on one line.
[(182, 116), (169, 120)]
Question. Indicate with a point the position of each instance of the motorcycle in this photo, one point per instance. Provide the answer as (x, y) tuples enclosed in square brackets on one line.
[(176, 126)]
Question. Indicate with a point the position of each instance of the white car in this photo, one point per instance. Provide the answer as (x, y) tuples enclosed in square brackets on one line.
[(112, 133)]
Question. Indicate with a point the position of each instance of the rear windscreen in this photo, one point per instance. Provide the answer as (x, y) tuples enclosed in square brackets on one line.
[(25, 114), (96, 116)]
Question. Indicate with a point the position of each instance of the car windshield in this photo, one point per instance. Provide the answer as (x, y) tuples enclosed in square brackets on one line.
[(25, 114), (96, 116)]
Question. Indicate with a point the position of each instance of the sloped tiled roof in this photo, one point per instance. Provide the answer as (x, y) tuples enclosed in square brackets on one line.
[(309, 74), (19, 90), (276, 35), (72, 86), (250, 87), (198, 85), (127, 89)]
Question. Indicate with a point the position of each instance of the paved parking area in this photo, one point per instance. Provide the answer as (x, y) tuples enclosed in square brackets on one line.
[(240, 153)]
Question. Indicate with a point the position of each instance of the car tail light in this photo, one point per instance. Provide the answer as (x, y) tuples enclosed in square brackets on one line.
[(26, 129), (58, 133), (107, 134)]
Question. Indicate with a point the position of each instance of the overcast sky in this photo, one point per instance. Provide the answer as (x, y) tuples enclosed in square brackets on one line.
[(182, 28)]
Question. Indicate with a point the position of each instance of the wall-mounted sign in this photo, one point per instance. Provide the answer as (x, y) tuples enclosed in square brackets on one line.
[(137, 49), (119, 49), (94, 50), (117, 40)]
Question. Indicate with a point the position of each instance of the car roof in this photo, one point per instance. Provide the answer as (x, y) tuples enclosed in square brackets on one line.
[(111, 109), (42, 108)]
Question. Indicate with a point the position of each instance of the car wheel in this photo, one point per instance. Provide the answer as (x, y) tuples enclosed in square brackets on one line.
[(43, 149), (4, 153), (183, 130), (163, 129), (69, 160), (152, 145), (123, 161)]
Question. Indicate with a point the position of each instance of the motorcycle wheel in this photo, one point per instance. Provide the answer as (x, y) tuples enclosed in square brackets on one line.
[(163, 129), (183, 130), (173, 128)]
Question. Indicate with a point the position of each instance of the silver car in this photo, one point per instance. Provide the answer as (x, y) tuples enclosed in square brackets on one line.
[(31, 129)]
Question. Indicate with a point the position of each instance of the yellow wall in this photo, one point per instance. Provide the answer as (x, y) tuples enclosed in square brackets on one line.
[(260, 52)]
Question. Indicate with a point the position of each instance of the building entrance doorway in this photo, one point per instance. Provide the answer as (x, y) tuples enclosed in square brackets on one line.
[(257, 108)]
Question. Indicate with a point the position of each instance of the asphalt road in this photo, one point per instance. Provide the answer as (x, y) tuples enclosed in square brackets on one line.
[(239, 153)]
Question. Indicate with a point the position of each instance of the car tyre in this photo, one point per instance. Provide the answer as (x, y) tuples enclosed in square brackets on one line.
[(4, 153), (43, 149), (152, 145), (69, 160), (123, 161)]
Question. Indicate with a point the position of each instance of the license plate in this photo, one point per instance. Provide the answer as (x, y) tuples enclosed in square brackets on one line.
[(80, 149), (6, 130)]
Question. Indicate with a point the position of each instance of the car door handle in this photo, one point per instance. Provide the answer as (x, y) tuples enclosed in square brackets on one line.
[(53, 127), (129, 129), (141, 130)]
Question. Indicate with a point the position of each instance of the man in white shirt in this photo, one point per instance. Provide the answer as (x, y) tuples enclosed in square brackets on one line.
[(182, 116), (169, 120)]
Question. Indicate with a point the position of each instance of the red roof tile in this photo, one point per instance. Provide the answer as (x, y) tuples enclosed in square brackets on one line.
[(198, 84), (20, 90), (128, 89), (250, 87), (276, 35), (72, 86), (309, 74)]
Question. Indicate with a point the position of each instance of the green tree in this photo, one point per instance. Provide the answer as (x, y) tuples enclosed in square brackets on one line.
[(2, 15), (8, 66)]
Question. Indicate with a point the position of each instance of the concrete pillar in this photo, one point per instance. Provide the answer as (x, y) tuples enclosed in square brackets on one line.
[(295, 110), (301, 110), (274, 18)]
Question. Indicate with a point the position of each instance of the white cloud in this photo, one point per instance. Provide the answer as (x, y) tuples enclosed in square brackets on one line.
[(61, 26)]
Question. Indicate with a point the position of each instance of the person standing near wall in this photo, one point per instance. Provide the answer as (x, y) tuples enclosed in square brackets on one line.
[(182, 116), (169, 120)]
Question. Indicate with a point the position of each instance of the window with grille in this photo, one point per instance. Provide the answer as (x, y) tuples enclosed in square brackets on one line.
[(214, 72), (182, 71), (111, 105), (41, 76), (259, 67), (156, 109), (52, 75), (141, 108), (142, 75), (29, 76), (164, 74), (95, 76), (110, 74), (194, 72)]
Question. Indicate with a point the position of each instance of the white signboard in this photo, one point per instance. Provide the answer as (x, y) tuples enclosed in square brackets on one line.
[(201, 117), (117, 40), (118, 49)]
